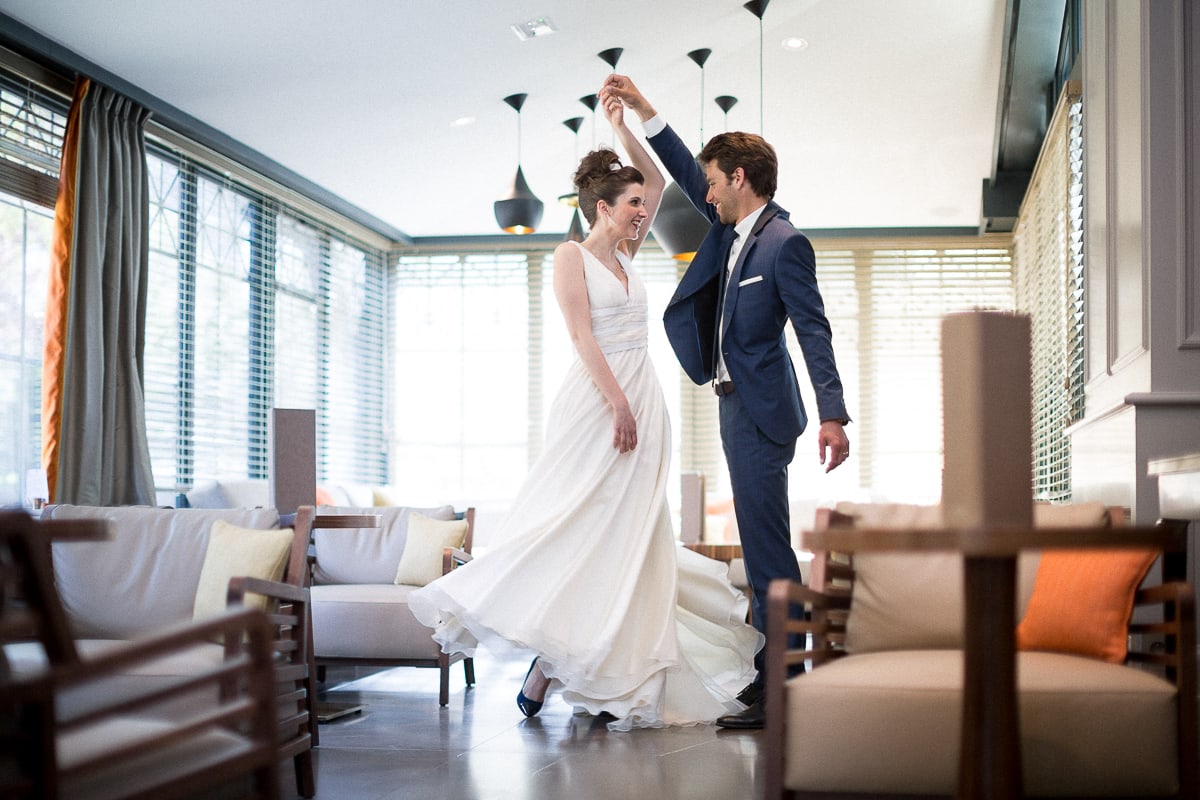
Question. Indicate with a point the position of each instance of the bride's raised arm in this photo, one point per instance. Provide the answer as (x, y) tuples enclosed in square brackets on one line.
[(638, 157)]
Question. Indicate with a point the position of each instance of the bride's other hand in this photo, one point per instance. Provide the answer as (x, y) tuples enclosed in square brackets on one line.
[(614, 109), (624, 429)]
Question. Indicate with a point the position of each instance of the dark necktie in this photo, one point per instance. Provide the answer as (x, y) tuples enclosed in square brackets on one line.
[(726, 274)]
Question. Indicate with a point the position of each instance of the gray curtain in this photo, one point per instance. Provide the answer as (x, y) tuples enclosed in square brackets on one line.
[(103, 453)]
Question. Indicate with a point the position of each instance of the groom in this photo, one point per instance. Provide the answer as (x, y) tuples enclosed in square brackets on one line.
[(752, 273)]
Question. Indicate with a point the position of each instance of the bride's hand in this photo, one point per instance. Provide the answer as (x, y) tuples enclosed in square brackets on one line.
[(614, 109), (624, 429)]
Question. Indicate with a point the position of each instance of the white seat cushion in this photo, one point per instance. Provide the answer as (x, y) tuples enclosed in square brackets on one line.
[(889, 722), (368, 620)]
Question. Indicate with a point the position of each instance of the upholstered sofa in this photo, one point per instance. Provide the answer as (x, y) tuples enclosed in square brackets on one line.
[(361, 579), (161, 567), (881, 709)]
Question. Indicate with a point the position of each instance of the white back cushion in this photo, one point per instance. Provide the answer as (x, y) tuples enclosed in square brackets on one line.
[(366, 555), (914, 601)]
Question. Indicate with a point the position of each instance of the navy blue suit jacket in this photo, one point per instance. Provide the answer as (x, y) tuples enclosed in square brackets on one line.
[(773, 281)]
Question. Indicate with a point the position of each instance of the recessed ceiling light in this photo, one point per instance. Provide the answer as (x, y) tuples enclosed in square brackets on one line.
[(795, 43), (531, 29), (462, 122)]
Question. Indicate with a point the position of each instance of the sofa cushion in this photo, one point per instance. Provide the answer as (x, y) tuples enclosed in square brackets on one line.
[(1082, 601), (905, 601), (230, 493), (234, 551), (368, 621), (365, 555), (427, 538), (144, 575), (888, 722)]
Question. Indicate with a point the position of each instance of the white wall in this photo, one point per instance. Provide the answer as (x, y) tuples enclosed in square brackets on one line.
[(1141, 248)]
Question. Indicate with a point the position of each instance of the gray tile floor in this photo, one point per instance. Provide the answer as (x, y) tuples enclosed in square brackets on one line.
[(480, 747)]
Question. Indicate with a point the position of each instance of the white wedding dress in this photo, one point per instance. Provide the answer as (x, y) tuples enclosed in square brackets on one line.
[(585, 570)]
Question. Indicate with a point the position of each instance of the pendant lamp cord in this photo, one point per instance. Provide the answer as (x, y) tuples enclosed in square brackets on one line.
[(761, 95)]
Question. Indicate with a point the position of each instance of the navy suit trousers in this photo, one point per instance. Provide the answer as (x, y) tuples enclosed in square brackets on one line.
[(758, 470)]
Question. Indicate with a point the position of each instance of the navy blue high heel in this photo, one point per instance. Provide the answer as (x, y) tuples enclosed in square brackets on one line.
[(529, 707)]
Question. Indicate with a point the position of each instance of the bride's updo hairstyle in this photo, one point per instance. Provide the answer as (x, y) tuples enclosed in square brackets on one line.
[(602, 177)]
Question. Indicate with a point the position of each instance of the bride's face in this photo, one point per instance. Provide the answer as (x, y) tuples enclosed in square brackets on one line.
[(629, 211)]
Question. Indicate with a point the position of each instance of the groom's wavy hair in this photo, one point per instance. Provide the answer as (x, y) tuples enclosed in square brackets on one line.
[(601, 176), (749, 151)]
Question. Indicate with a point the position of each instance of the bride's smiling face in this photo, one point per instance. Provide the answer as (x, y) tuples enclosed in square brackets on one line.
[(629, 211)]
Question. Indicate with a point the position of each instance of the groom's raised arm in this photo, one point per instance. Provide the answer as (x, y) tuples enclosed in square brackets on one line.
[(667, 145)]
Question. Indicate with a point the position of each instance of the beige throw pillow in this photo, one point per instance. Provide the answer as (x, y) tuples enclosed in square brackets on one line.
[(421, 562), (232, 552)]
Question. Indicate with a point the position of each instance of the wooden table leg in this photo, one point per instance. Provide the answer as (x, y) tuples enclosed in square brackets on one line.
[(989, 764)]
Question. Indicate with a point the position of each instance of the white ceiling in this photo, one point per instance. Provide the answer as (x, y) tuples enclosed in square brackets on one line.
[(886, 119)]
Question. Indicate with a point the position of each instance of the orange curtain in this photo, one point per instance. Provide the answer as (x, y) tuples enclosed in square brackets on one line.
[(54, 358)]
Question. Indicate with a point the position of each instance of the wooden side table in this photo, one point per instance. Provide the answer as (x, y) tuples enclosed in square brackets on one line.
[(989, 750)]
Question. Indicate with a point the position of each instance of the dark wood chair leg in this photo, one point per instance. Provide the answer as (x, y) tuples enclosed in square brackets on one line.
[(306, 785)]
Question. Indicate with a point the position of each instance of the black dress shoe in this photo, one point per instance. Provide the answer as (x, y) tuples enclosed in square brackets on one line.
[(753, 718), (751, 694)]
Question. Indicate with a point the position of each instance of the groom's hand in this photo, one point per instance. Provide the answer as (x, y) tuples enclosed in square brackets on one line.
[(832, 439), (621, 87)]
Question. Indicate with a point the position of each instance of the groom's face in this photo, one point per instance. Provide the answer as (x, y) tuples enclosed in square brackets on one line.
[(721, 193)]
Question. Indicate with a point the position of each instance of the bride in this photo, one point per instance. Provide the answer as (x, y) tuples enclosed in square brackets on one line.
[(585, 571)]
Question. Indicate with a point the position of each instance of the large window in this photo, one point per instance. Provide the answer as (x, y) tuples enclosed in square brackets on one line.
[(31, 131), (24, 259), (885, 302), (253, 307)]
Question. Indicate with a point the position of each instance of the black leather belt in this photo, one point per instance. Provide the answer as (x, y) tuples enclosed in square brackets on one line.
[(723, 388)]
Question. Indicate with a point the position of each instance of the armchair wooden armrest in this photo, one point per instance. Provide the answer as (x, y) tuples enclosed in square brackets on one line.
[(797, 613), (288, 617), (1167, 643), (453, 557)]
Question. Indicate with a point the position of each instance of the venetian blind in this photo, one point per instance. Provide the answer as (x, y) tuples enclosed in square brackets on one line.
[(1048, 266), (254, 306), (885, 301), (33, 122)]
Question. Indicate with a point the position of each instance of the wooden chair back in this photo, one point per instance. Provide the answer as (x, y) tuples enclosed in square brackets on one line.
[(126, 743)]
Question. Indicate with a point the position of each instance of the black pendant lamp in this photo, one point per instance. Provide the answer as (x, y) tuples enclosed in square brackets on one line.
[(678, 227), (520, 211), (575, 231), (591, 101), (725, 102)]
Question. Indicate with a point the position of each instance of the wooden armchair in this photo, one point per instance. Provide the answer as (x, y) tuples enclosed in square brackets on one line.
[(869, 721), (118, 744), (360, 613), (153, 557)]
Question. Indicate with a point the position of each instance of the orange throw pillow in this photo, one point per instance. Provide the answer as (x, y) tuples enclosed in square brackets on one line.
[(1082, 601)]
